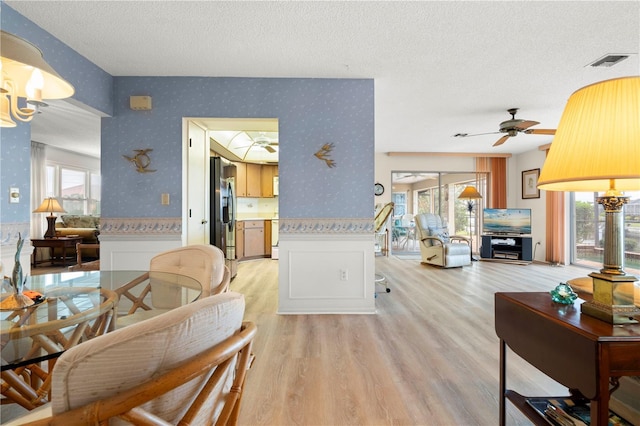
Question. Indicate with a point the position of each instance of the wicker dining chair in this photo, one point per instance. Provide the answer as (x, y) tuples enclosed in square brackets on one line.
[(92, 265), (187, 366), (201, 262)]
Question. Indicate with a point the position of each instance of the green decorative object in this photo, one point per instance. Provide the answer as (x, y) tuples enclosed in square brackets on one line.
[(16, 300), (563, 294)]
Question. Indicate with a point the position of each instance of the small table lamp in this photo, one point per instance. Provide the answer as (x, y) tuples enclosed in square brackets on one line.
[(597, 149), (50, 205), (470, 193)]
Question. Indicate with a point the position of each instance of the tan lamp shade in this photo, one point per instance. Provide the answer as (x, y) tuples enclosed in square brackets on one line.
[(470, 193), (596, 148), (50, 205), (597, 144)]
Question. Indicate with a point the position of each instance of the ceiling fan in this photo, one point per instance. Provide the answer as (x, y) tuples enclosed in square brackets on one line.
[(262, 141), (513, 127), (398, 176)]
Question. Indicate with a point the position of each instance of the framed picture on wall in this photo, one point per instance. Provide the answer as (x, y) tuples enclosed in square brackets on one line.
[(530, 183)]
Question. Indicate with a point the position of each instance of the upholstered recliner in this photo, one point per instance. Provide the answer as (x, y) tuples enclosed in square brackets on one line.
[(437, 247)]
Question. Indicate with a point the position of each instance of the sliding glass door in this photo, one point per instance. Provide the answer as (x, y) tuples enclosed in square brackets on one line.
[(437, 192), (587, 231)]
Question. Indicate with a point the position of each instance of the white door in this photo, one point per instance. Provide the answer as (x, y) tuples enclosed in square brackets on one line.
[(197, 186)]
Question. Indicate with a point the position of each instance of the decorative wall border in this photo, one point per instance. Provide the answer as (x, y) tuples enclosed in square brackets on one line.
[(326, 226), (141, 226), (173, 225), (9, 232)]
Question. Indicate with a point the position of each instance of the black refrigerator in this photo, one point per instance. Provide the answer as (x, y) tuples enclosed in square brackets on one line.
[(223, 210)]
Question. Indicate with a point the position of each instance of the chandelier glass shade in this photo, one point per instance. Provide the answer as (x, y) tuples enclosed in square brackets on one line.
[(26, 80)]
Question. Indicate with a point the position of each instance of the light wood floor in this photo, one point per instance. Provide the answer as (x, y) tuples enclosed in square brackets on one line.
[(428, 357)]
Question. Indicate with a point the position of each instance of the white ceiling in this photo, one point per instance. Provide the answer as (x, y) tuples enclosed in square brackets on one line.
[(440, 67)]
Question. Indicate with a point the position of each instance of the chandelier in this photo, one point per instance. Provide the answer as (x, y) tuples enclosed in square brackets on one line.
[(25, 74)]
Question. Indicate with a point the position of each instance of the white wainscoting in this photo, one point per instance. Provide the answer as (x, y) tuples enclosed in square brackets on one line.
[(118, 252), (326, 274)]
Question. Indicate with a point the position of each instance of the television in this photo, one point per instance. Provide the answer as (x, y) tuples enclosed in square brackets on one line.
[(506, 221)]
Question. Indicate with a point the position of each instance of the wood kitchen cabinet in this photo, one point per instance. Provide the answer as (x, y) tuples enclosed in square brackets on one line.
[(239, 239), (255, 180), (253, 238), (248, 180), (267, 238), (241, 179), (267, 173)]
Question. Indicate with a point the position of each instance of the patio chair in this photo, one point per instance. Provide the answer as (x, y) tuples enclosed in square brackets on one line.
[(381, 224)]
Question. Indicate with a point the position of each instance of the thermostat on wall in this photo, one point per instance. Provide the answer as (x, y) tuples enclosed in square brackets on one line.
[(140, 103)]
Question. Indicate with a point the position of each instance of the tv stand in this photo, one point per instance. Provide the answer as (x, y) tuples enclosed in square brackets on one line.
[(507, 248)]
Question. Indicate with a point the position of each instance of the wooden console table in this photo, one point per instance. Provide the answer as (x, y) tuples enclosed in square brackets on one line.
[(63, 243), (582, 353)]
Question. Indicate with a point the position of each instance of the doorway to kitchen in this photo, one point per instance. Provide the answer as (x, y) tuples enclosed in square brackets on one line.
[(248, 151)]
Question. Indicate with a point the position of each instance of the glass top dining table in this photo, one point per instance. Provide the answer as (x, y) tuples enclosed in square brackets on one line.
[(74, 307), (72, 298)]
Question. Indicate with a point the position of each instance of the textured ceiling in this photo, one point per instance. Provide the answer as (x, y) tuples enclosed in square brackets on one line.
[(440, 67)]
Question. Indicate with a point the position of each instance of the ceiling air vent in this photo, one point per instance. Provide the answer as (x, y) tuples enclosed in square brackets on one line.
[(609, 60)]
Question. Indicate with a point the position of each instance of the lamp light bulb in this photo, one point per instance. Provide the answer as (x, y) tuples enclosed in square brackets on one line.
[(35, 85)]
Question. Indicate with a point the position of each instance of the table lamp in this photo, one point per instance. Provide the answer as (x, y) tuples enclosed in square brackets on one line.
[(50, 205), (470, 193), (596, 148)]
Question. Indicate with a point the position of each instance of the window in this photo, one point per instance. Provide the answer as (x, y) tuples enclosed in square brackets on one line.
[(587, 231), (77, 189), (399, 203)]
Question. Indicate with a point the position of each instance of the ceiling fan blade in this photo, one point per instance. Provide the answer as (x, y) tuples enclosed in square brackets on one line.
[(541, 131), (502, 140), (268, 148), (466, 135), (525, 124), (274, 143)]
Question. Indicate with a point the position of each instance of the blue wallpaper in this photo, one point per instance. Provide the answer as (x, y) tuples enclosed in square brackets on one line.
[(15, 166), (311, 113)]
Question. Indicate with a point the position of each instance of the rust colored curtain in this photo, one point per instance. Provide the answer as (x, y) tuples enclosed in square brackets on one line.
[(555, 240), (496, 170)]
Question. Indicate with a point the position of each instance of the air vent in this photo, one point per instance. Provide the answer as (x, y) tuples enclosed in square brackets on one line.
[(609, 60)]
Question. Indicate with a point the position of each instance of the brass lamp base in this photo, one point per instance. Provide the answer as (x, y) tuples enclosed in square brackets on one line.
[(612, 299)]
